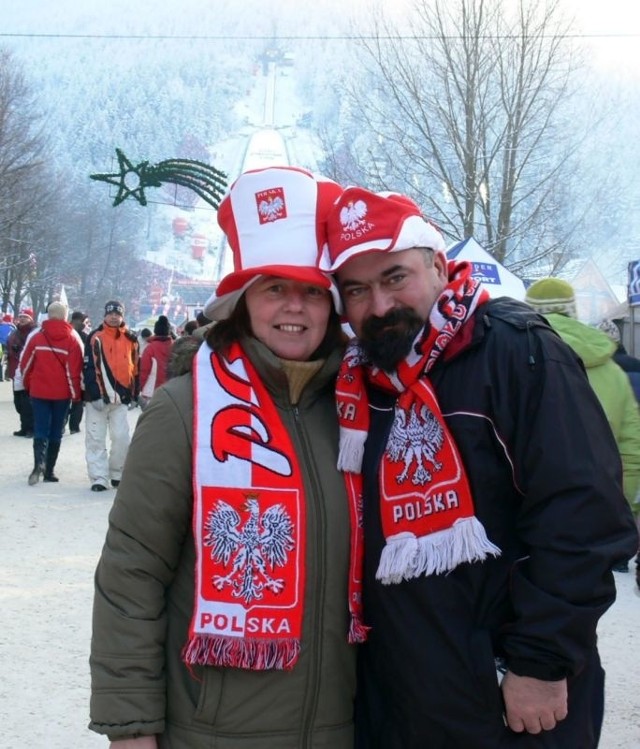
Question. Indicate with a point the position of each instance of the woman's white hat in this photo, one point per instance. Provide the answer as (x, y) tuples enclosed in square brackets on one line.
[(275, 223)]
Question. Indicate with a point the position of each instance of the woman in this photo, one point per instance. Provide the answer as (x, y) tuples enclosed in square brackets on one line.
[(51, 369), (251, 651)]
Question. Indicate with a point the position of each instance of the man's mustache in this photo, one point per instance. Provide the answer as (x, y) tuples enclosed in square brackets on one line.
[(373, 326)]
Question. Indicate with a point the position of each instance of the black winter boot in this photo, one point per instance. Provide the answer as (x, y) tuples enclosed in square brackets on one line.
[(53, 448), (39, 451)]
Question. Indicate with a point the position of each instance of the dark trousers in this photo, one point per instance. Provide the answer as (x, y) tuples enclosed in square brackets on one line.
[(75, 416), (22, 404), (48, 418)]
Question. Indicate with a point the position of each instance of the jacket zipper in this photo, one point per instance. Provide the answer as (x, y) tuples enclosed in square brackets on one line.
[(310, 710)]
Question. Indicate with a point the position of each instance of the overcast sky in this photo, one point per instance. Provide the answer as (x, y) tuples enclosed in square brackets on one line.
[(615, 23)]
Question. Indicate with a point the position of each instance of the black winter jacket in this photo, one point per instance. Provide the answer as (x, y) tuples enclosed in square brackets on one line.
[(546, 480)]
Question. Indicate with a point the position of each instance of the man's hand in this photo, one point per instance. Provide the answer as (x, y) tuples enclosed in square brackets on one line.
[(533, 705), (143, 742)]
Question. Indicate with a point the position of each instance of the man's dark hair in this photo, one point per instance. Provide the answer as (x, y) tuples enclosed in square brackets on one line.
[(77, 315)]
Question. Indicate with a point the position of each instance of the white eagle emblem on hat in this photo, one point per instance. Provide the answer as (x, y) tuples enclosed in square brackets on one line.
[(271, 205), (352, 215)]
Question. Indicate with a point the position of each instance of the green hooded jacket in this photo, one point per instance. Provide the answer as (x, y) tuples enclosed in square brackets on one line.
[(614, 392)]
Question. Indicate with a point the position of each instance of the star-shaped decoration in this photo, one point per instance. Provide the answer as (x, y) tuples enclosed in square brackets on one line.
[(205, 180), (130, 180)]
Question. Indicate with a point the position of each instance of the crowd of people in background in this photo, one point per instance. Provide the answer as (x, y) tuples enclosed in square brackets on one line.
[(555, 299), (63, 372)]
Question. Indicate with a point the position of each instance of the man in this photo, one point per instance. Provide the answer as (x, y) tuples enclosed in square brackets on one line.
[(25, 325), (631, 366), (555, 299), (79, 324), (111, 386), (492, 502)]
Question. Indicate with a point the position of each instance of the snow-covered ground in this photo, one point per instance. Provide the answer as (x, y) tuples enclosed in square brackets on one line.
[(50, 540)]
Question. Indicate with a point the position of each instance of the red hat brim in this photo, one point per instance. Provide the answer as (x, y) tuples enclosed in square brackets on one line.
[(222, 302), (303, 274)]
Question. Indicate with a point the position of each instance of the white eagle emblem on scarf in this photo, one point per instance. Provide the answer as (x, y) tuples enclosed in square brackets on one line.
[(257, 547), (417, 441)]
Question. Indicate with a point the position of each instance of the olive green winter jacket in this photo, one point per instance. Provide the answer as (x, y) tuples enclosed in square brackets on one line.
[(144, 591)]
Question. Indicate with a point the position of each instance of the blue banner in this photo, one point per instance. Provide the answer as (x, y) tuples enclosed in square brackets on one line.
[(485, 272), (634, 282)]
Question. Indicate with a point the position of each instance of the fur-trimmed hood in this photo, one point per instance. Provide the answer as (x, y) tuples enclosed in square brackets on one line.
[(182, 353)]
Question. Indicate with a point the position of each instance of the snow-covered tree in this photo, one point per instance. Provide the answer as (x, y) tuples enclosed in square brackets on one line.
[(467, 109)]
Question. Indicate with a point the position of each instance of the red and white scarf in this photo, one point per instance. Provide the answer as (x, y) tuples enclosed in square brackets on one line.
[(426, 507), (248, 523)]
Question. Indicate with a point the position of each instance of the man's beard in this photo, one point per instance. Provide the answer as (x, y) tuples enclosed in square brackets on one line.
[(387, 340)]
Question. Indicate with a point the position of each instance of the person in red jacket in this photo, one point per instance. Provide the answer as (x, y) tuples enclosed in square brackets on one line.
[(51, 367), (154, 360)]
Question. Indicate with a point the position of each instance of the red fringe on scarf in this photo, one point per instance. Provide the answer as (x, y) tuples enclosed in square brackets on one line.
[(235, 652), (357, 631)]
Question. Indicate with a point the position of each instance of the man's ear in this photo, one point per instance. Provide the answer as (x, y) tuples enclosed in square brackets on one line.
[(440, 264)]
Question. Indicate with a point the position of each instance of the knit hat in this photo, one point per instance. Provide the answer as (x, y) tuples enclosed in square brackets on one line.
[(162, 326), (549, 295), (57, 311), (7, 318), (363, 221), (274, 221), (114, 307), (26, 312), (611, 329)]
